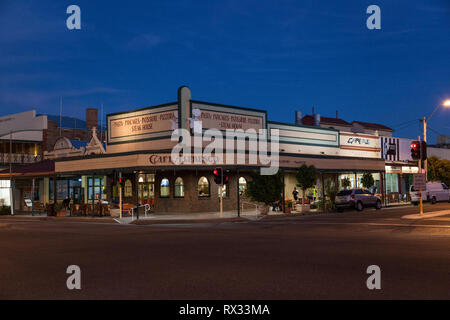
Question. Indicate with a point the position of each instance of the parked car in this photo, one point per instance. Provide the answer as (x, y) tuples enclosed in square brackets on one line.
[(356, 199), (436, 191)]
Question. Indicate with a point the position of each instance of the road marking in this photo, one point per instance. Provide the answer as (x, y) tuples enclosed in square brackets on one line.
[(378, 224)]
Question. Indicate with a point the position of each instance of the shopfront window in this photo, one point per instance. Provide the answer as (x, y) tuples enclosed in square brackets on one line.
[(391, 182), (165, 188), (5, 193), (224, 191), (96, 188), (179, 188), (203, 187)]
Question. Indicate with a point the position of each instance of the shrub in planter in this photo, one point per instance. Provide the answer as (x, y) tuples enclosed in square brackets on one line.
[(60, 210), (266, 189)]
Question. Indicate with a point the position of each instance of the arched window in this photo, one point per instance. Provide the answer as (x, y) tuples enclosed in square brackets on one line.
[(242, 185), (128, 192), (179, 188), (165, 188), (203, 187)]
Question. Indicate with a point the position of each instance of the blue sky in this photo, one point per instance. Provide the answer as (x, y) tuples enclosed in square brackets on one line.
[(275, 55)]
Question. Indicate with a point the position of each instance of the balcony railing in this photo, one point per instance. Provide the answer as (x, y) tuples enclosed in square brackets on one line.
[(18, 158)]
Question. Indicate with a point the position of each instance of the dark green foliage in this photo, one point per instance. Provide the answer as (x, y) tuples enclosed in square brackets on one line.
[(266, 189)]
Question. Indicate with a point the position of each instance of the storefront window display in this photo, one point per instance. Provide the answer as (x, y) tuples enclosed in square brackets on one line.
[(179, 188), (242, 186), (203, 187), (165, 188)]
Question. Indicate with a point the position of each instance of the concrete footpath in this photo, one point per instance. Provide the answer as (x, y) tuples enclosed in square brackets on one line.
[(427, 215)]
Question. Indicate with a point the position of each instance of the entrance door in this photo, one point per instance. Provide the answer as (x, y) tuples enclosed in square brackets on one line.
[(76, 196), (147, 189)]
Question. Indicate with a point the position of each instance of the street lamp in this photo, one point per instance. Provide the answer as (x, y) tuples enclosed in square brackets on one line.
[(445, 103)]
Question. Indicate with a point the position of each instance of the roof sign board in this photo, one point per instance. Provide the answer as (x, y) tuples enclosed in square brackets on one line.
[(144, 124)]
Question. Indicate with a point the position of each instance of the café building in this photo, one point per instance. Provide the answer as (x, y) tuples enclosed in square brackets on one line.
[(139, 145)]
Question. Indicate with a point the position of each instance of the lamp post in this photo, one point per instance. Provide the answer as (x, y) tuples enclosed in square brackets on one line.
[(446, 104)]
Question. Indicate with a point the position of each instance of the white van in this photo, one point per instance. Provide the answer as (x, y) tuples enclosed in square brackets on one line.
[(436, 191)]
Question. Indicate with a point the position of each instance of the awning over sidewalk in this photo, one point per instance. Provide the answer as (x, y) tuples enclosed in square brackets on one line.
[(43, 168)]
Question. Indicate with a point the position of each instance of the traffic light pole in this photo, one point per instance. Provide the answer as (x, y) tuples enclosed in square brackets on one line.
[(425, 162), (120, 195), (221, 195), (420, 192)]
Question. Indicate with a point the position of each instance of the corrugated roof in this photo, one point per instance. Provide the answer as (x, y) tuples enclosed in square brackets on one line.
[(373, 126), (45, 167)]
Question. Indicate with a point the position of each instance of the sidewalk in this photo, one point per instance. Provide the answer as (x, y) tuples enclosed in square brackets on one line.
[(176, 218), (426, 215), (26, 217)]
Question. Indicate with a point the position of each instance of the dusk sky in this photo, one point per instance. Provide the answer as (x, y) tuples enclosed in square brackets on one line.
[(273, 55)]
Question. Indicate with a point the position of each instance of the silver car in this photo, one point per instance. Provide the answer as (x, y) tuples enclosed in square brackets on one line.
[(356, 199)]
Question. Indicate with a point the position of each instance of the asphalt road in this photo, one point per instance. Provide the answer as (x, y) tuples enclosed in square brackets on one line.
[(322, 257)]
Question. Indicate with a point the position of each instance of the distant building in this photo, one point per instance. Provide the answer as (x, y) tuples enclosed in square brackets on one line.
[(71, 128), (372, 128), (339, 124), (443, 140)]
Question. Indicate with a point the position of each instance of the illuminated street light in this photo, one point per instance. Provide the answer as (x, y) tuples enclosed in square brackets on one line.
[(446, 103)]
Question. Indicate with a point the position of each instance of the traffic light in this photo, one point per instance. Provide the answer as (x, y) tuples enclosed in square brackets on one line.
[(419, 150), (415, 150), (218, 175)]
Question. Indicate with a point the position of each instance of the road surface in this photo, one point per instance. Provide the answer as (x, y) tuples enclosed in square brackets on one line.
[(319, 257)]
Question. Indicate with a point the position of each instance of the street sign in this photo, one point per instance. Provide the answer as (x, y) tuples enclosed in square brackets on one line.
[(419, 182), (28, 203)]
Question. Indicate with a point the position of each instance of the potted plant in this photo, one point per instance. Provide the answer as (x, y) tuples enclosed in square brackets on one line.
[(60, 210), (306, 177), (288, 208), (367, 180), (265, 189), (346, 183)]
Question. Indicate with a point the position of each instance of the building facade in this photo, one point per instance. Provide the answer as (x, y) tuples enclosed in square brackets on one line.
[(139, 147)]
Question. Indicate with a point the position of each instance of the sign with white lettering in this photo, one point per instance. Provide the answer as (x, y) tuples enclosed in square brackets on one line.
[(224, 117), (359, 142)]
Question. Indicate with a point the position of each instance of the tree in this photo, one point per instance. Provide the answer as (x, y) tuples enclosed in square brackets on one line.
[(439, 170), (346, 182), (265, 188), (367, 180), (306, 177)]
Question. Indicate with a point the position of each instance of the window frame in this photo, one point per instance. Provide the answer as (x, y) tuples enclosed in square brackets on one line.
[(209, 188), (161, 186), (175, 188)]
